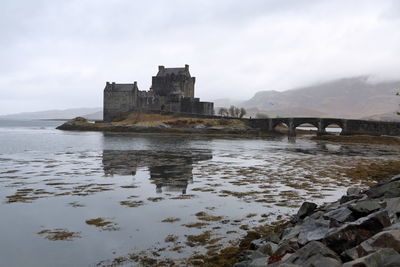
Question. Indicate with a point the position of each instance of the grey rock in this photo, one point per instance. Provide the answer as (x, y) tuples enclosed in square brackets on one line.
[(353, 191), (395, 226), (332, 206), (306, 209), (269, 248), (365, 206), (347, 198), (273, 237), (242, 264), (163, 126), (200, 126), (290, 233), (287, 246), (248, 255), (256, 243), (311, 253), (393, 205), (387, 190), (393, 192), (392, 261), (341, 214), (385, 239), (351, 234), (312, 230), (240, 128), (260, 262), (379, 258), (395, 178), (326, 262), (256, 254), (317, 215)]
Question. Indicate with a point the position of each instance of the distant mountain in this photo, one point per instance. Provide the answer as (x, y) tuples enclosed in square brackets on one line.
[(392, 116), (90, 113), (344, 98)]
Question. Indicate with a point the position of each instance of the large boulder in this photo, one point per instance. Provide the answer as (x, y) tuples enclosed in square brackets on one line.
[(312, 253), (263, 246), (312, 230), (393, 206), (259, 262), (306, 209), (342, 214), (385, 239), (365, 207), (353, 191), (388, 190), (351, 234), (385, 257), (347, 198)]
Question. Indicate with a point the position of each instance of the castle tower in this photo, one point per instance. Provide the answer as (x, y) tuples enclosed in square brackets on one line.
[(119, 98), (175, 81)]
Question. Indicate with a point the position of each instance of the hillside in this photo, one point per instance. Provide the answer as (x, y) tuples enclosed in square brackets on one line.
[(348, 98)]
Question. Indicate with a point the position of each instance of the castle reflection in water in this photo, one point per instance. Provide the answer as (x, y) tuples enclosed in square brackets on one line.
[(169, 171)]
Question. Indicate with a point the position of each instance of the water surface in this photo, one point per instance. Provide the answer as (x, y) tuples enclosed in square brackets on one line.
[(153, 193)]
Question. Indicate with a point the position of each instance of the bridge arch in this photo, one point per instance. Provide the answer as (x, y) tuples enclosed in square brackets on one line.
[(281, 126), (325, 123), (311, 126), (333, 128)]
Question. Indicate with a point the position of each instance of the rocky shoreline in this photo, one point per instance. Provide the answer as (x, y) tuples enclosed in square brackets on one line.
[(360, 229)]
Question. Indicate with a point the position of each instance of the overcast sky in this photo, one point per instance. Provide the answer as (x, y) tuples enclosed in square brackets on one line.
[(59, 54)]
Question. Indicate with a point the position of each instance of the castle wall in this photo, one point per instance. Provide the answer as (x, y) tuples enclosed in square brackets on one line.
[(206, 108), (148, 101), (116, 103), (195, 106)]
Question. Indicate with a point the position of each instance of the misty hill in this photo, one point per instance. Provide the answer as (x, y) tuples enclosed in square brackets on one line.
[(89, 113), (344, 98)]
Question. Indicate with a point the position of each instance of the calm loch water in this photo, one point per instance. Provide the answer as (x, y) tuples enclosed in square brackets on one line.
[(87, 198)]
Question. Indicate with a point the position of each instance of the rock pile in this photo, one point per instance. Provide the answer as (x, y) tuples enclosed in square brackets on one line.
[(360, 229)]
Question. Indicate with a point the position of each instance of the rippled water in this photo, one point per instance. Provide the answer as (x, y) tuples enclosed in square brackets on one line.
[(143, 188)]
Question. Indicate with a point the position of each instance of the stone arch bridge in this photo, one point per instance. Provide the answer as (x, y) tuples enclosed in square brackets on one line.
[(349, 127)]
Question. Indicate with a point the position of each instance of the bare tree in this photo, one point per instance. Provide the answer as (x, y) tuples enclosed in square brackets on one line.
[(242, 112), (232, 111), (223, 112), (237, 112)]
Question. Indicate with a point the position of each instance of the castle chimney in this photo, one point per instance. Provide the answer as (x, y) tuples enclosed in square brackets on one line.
[(187, 67), (113, 85), (107, 83), (161, 68)]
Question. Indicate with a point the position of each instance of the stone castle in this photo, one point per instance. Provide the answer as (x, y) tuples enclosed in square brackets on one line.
[(172, 90)]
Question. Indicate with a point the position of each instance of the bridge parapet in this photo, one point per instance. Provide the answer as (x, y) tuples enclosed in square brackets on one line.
[(349, 127)]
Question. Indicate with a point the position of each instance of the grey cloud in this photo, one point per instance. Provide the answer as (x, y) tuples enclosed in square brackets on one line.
[(60, 53)]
